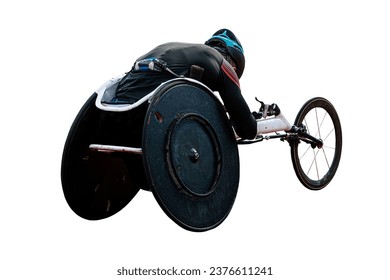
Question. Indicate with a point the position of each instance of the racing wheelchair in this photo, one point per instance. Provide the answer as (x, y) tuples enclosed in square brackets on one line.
[(184, 150)]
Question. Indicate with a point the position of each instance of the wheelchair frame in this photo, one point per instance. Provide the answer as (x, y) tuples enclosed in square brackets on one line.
[(314, 173)]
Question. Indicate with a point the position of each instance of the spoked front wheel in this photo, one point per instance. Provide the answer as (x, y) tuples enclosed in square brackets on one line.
[(316, 165)]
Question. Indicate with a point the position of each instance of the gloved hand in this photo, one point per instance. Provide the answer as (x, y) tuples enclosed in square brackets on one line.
[(257, 115), (266, 110)]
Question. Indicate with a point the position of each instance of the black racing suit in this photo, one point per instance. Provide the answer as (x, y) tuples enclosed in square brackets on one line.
[(218, 75)]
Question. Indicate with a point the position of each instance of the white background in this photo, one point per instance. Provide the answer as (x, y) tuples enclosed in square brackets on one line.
[(54, 54)]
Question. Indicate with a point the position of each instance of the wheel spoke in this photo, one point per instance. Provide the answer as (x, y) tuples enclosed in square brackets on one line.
[(314, 163), (325, 156), (330, 132), (318, 125), (305, 152)]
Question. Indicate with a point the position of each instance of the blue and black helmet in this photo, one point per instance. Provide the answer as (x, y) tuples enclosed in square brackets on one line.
[(232, 45)]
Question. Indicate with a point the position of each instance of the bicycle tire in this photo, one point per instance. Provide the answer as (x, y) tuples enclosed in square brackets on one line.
[(317, 170)]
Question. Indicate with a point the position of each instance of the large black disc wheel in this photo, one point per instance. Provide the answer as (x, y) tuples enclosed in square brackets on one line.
[(98, 185), (190, 155), (316, 166)]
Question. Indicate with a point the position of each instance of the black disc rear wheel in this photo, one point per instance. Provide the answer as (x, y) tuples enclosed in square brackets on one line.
[(98, 185), (190, 155)]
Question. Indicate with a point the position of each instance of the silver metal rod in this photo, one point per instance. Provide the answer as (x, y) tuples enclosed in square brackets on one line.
[(112, 149)]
